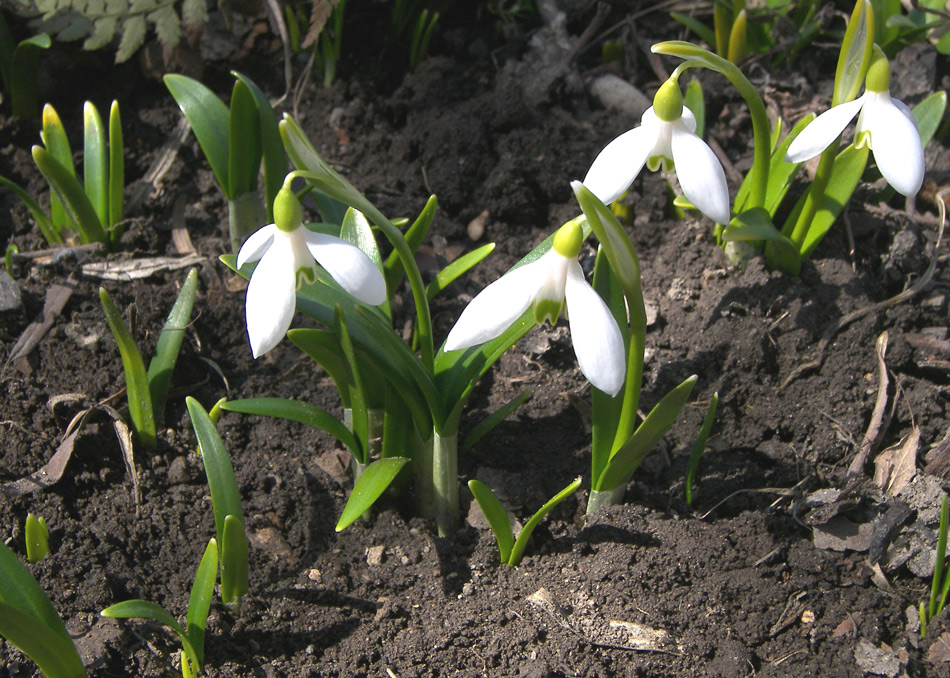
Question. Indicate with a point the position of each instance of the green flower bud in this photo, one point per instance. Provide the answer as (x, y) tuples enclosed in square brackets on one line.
[(288, 212), (568, 240), (878, 78), (668, 102)]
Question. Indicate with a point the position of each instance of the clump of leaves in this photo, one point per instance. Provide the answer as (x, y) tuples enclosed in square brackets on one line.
[(99, 21)]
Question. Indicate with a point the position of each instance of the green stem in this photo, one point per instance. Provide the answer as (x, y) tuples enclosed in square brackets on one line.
[(598, 499), (445, 483), (815, 195), (627, 422), (424, 491)]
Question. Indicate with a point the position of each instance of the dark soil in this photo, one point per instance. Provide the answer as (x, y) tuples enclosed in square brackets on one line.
[(734, 585)]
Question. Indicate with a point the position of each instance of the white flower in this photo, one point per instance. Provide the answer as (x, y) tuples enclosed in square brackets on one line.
[(287, 259), (885, 125), (666, 137), (547, 283)]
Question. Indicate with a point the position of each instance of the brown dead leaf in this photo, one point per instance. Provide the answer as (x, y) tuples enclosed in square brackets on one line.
[(895, 466)]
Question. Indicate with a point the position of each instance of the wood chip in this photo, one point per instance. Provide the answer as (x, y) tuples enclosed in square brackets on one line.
[(135, 269)]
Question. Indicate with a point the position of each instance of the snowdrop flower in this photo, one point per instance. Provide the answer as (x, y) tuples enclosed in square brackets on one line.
[(885, 125), (288, 254), (546, 284), (666, 137)]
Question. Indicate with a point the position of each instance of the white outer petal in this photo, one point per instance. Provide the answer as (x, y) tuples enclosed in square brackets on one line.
[(496, 307), (821, 131), (896, 144), (700, 174), (350, 266), (256, 244), (271, 298), (598, 343), (615, 167)]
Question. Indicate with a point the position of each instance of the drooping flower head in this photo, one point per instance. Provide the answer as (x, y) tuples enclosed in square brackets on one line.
[(665, 138), (288, 253), (885, 125), (548, 284)]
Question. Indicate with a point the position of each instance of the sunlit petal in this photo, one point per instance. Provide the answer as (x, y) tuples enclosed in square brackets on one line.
[(256, 244), (497, 306), (271, 300), (349, 266), (615, 168), (598, 343), (896, 145), (821, 131), (700, 174), (688, 119)]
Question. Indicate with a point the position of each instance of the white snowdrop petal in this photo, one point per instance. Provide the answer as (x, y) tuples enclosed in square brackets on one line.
[(896, 145), (615, 168), (701, 175), (688, 119), (598, 343), (350, 266), (256, 244), (496, 307), (821, 131), (271, 298)]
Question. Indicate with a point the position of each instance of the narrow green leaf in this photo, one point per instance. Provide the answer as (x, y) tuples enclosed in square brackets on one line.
[(753, 224), (694, 100), (929, 114), (722, 23), (705, 34), (855, 55), (940, 557), (626, 459), (355, 229), (54, 138), (393, 269), (370, 486), (162, 365), (456, 269), (358, 406), (517, 551), (136, 380), (43, 222), (294, 410), (272, 148), (143, 609), (202, 591), (234, 566), (737, 38), (37, 538), (208, 117), (497, 517), (693, 464), (72, 197), (29, 621), (116, 172), (20, 82), (492, 420), (95, 161), (244, 142), (323, 347)]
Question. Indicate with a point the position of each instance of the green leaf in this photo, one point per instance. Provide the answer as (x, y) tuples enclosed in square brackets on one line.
[(753, 224), (737, 38), (855, 55), (95, 161), (370, 486), (693, 464), (54, 138), (29, 621), (37, 538), (323, 347), (143, 609), (202, 591), (355, 229), (359, 408), (294, 410), (50, 232), (694, 100), (72, 197), (698, 27), (244, 142), (626, 459), (208, 117), (928, 114), (456, 269), (492, 420), (116, 172), (234, 565), (393, 269), (272, 148), (162, 365), (136, 380), (517, 551), (497, 517), (225, 495), (21, 79)]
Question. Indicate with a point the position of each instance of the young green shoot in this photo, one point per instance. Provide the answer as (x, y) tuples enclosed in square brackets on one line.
[(19, 67), (147, 390), (511, 550), (226, 503), (699, 446), (192, 635), (29, 621), (940, 583), (37, 538)]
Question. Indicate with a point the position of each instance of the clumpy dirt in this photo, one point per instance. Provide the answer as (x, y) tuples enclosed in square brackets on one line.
[(741, 583)]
